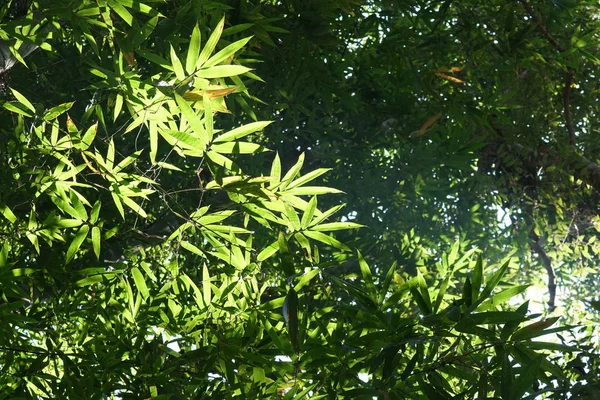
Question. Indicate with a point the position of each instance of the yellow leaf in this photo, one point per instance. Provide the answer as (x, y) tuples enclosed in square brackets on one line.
[(197, 95)]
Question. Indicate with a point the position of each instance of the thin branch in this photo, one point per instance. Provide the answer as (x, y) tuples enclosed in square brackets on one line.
[(567, 105)]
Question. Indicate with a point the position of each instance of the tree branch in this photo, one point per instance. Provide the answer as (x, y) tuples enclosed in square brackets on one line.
[(547, 263), (568, 75)]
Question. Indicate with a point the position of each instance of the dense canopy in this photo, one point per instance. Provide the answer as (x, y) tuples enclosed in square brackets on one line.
[(299, 199)]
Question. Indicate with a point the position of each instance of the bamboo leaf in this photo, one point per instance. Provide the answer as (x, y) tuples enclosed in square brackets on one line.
[(226, 53), (193, 51), (140, 282), (176, 64), (242, 131), (77, 241), (222, 71), (211, 44)]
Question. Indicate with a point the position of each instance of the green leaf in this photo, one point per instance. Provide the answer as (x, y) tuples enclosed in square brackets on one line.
[(8, 214), (504, 296), (441, 292), (275, 172), (336, 226), (291, 174), (292, 216), (420, 281), (54, 112), (140, 282), (304, 244), (306, 278), (206, 288), (309, 213), (312, 191), (184, 140), (237, 148), (190, 116), (492, 317), (77, 241), (491, 285), (361, 296), (366, 274), (323, 238), (12, 107), (226, 53), (222, 71), (533, 330), (526, 379), (96, 235), (268, 251), (121, 12), (156, 59), (308, 177), (23, 100), (242, 131), (134, 206), (386, 283), (88, 137), (176, 64), (477, 279), (193, 51), (211, 44), (290, 316)]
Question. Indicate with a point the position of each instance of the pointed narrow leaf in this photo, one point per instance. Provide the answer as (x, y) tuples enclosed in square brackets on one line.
[(192, 118), (242, 131), (493, 282), (8, 214), (58, 110), (193, 51), (290, 316), (211, 43), (206, 288), (226, 53), (291, 174), (366, 274), (306, 278), (477, 279), (77, 241), (176, 64), (532, 330), (336, 226), (308, 177), (96, 241), (527, 377), (309, 213), (140, 282), (323, 238), (23, 100), (275, 172), (441, 292), (222, 71), (268, 251)]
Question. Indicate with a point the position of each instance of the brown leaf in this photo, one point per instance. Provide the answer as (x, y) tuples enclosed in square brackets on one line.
[(129, 57), (425, 127), (449, 78)]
